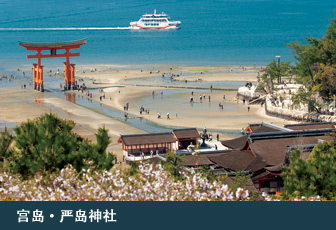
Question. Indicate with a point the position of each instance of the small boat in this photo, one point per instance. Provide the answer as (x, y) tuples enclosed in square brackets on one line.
[(155, 21)]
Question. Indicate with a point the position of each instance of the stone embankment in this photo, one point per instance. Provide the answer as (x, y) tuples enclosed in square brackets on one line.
[(247, 92), (284, 110), (280, 104), (250, 94)]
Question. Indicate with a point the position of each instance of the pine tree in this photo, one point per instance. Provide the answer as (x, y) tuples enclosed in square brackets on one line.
[(314, 176), (47, 143), (172, 163), (6, 151), (316, 66), (103, 160)]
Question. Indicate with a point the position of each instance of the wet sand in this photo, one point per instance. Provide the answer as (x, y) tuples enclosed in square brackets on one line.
[(19, 105), (234, 115)]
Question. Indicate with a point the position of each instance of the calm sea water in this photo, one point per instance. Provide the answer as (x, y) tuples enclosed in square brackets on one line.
[(241, 32)]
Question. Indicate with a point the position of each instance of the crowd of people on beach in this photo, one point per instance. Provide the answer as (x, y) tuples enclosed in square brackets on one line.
[(202, 98), (143, 110), (146, 111)]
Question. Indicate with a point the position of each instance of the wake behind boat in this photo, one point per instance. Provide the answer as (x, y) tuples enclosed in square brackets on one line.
[(155, 21)]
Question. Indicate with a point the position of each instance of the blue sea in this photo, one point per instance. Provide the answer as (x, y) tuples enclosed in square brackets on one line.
[(213, 32)]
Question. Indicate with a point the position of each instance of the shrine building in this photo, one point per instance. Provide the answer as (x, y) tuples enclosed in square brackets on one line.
[(158, 143)]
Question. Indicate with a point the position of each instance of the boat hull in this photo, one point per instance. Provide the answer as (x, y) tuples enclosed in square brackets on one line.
[(138, 27)]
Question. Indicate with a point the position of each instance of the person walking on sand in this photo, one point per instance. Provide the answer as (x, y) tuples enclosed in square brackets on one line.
[(192, 93), (168, 116), (248, 108), (209, 98)]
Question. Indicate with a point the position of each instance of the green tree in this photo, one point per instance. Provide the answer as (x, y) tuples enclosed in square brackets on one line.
[(302, 96), (316, 62), (172, 163), (314, 176), (272, 72), (325, 81), (134, 168), (6, 150), (47, 143)]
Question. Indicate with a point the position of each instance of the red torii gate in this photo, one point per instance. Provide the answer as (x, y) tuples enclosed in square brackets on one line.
[(69, 69)]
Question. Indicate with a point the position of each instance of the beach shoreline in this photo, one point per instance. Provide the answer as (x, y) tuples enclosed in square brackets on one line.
[(22, 104)]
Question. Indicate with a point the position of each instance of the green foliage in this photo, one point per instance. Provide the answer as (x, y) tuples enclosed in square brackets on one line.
[(47, 143), (303, 96), (240, 180), (101, 159), (325, 81), (316, 66), (272, 72), (314, 176), (204, 169), (243, 181), (6, 151), (172, 164), (134, 168)]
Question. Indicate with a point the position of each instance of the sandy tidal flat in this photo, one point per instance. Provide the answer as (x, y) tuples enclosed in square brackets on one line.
[(18, 105)]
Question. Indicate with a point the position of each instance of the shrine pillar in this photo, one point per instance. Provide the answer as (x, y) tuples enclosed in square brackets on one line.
[(38, 77), (35, 74), (72, 75), (67, 75), (40, 74)]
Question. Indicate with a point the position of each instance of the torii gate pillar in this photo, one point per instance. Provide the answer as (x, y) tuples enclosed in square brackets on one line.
[(35, 73), (38, 77), (72, 76), (69, 74)]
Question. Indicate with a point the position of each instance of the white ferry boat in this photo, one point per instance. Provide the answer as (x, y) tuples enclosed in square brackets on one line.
[(155, 21)]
